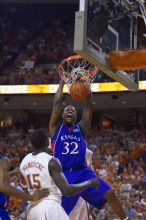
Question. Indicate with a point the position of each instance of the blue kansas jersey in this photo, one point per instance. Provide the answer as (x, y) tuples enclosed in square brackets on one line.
[(69, 146), (3, 200), (3, 203)]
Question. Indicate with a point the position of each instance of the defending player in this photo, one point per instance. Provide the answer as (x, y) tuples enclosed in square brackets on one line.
[(41, 170), (81, 210), (69, 145), (6, 189)]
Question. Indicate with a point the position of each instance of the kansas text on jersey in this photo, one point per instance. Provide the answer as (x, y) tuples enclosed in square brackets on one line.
[(69, 146)]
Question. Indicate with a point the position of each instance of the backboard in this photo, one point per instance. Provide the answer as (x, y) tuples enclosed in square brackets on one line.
[(104, 25)]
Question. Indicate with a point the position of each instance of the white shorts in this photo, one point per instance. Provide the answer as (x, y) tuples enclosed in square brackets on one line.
[(80, 211), (46, 210)]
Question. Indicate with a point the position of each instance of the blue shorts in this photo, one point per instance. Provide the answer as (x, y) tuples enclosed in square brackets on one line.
[(91, 195), (4, 214)]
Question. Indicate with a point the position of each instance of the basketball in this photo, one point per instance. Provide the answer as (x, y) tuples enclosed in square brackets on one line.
[(80, 90)]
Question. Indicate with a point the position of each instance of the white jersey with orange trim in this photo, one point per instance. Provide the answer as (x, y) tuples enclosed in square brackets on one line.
[(34, 169)]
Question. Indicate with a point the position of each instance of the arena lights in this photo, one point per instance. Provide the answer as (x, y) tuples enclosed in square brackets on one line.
[(51, 89)]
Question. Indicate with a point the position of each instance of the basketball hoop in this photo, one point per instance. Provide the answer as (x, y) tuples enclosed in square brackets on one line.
[(74, 68)]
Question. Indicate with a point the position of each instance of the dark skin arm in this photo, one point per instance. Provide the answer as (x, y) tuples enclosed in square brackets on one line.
[(87, 115), (14, 172), (56, 112), (60, 180), (6, 188)]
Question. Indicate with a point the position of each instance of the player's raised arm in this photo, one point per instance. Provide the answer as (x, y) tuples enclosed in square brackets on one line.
[(60, 180), (56, 112), (87, 114)]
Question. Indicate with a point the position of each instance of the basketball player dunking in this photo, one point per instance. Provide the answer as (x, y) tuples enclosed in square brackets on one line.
[(40, 170), (6, 189), (69, 146)]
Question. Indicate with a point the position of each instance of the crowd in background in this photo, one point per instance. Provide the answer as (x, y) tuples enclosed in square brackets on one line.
[(31, 58), (30, 54), (108, 144), (129, 149)]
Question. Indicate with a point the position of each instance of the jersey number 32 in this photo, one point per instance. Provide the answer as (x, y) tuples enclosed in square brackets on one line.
[(70, 148)]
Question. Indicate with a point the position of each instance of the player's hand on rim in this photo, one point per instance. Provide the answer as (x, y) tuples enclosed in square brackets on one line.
[(40, 194), (84, 79)]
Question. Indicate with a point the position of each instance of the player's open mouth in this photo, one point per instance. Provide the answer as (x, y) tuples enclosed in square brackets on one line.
[(69, 116)]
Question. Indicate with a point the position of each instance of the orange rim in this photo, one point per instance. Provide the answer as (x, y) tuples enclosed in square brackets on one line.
[(75, 57)]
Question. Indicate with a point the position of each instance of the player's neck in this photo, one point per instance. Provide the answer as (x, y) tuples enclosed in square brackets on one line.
[(69, 124), (35, 152)]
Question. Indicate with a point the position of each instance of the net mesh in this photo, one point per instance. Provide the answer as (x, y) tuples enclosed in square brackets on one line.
[(75, 68)]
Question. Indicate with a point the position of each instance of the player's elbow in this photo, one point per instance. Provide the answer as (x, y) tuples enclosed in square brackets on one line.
[(67, 192)]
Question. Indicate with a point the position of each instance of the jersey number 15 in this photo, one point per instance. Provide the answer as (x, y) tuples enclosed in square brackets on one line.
[(33, 181)]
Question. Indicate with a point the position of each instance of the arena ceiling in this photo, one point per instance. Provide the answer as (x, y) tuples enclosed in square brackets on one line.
[(39, 1)]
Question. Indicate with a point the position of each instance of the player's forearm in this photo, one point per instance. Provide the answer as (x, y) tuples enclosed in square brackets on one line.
[(87, 114), (14, 172), (59, 93), (89, 100), (10, 190), (73, 189)]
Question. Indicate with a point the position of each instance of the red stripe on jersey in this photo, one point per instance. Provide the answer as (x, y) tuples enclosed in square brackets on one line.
[(52, 145)]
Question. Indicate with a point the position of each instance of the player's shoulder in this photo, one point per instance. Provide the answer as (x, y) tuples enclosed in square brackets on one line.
[(79, 125), (54, 164), (45, 155), (54, 160), (27, 157), (58, 129)]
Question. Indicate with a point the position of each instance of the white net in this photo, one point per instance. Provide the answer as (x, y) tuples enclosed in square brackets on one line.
[(75, 68)]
